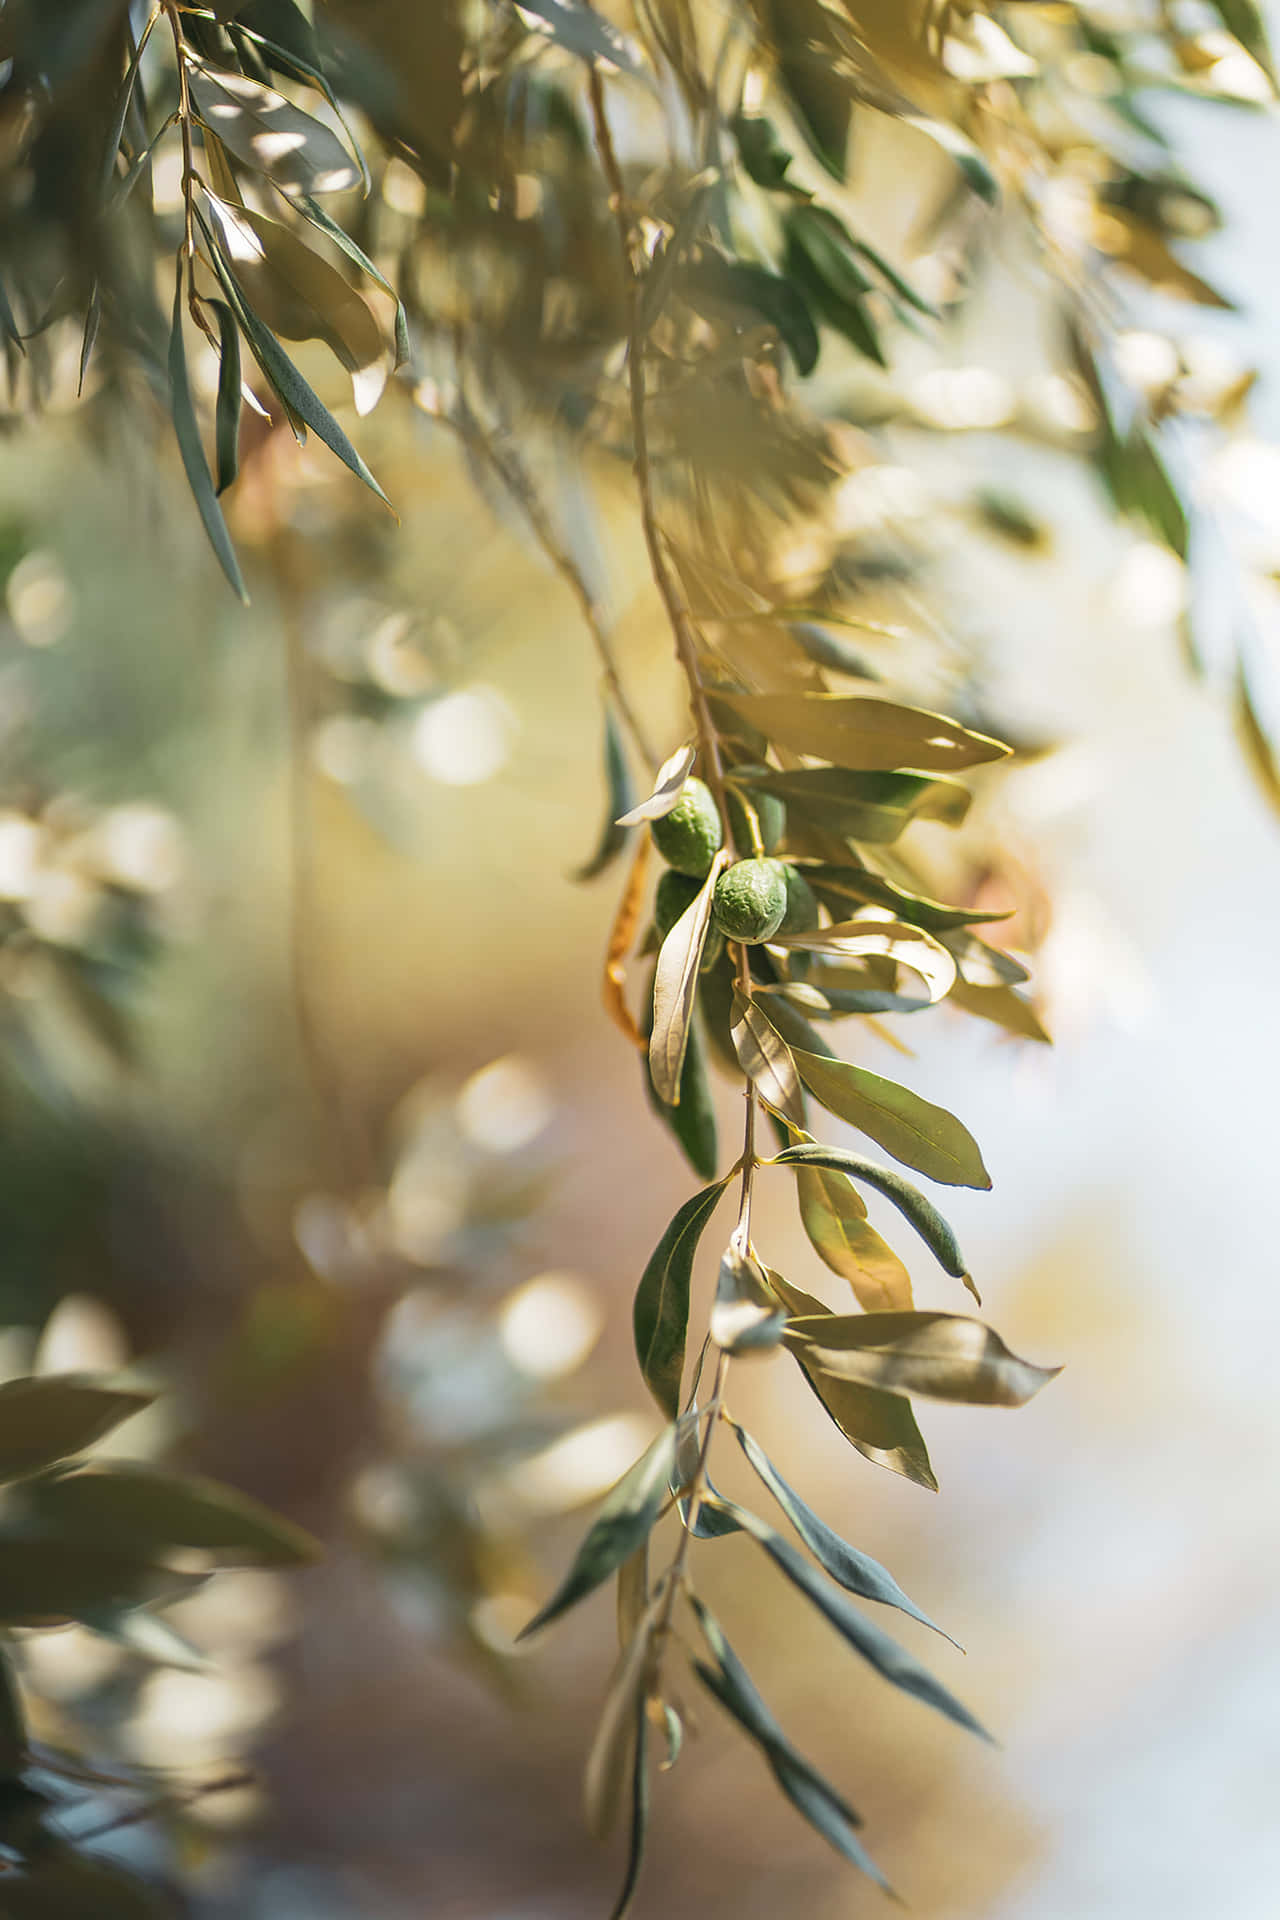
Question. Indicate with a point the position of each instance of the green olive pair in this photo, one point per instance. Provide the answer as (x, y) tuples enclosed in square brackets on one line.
[(754, 899)]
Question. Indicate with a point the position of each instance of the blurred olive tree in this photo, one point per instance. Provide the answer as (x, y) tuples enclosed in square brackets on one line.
[(683, 284)]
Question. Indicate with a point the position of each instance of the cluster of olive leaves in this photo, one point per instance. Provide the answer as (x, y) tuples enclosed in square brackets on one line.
[(97, 1542)]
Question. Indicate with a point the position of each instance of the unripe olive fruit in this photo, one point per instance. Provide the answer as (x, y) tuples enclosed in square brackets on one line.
[(750, 900), (692, 834)]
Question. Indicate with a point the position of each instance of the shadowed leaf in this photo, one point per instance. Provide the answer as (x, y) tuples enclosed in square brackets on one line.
[(943, 1356), (44, 1420)]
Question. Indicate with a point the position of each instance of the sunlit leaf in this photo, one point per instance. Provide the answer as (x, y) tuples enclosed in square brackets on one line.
[(668, 785), (624, 1521), (909, 1200), (579, 29), (867, 735), (745, 1316), (43, 1420), (269, 134), (942, 1356), (857, 1572), (661, 1312), (912, 1129), (766, 1058), (278, 369), (892, 940), (675, 986), (295, 292), (833, 1215), (1003, 1006)]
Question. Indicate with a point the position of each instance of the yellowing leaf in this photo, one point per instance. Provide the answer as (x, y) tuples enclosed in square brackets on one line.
[(868, 735), (834, 1217)]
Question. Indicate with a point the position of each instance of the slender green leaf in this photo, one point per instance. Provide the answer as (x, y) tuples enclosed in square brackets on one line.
[(639, 1818), (328, 226), (661, 1312), (836, 886), (892, 1662), (692, 1119), (624, 1521), (856, 1572), (909, 1201), (620, 796), (809, 1792), (875, 807), (230, 396), (310, 70), (1244, 20), (120, 111), (43, 1420), (300, 402), (192, 450), (914, 1131), (297, 294), (1003, 1006), (143, 1509), (942, 1356), (739, 283), (92, 321)]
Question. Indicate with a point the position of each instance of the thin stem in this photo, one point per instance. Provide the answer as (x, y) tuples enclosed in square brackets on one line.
[(669, 590), (518, 485), (188, 157)]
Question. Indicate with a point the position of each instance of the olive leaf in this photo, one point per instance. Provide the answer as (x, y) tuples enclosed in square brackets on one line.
[(230, 396), (892, 1662), (869, 939), (269, 134), (143, 1509), (675, 987), (941, 1356), (191, 448), (835, 886), (745, 1316), (909, 1200), (855, 1571), (1002, 1006), (808, 1790), (880, 1425), (578, 28), (692, 1119), (612, 1750), (43, 1420), (668, 785), (766, 1058), (295, 292), (639, 1817), (618, 788), (834, 1217), (875, 807), (325, 224), (624, 1521), (46, 1582), (300, 402), (912, 1129)]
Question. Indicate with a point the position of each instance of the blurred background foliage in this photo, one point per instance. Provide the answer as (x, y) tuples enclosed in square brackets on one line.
[(312, 1116)]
